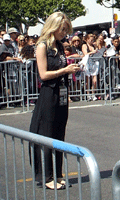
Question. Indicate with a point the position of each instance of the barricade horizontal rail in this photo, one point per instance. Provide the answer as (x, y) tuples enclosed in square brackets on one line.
[(67, 148)]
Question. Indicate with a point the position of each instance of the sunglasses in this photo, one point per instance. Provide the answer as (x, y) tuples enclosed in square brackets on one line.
[(22, 40)]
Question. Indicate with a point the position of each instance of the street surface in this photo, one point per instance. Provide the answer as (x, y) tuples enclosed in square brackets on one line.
[(90, 124)]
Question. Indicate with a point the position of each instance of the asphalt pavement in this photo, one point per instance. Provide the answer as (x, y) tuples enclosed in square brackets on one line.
[(90, 124)]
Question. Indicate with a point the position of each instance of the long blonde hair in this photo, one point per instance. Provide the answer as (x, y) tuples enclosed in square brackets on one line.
[(52, 24)]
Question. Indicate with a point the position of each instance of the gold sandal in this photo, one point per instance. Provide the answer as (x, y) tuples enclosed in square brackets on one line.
[(50, 185)]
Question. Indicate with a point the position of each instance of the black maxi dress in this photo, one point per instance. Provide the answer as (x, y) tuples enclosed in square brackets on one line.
[(50, 114)]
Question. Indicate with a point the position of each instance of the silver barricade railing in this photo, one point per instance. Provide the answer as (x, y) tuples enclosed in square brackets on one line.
[(11, 83), (116, 181), (21, 83), (80, 85), (67, 148), (113, 77)]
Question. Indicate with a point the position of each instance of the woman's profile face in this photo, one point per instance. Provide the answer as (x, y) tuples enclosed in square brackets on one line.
[(90, 40), (100, 39), (61, 32)]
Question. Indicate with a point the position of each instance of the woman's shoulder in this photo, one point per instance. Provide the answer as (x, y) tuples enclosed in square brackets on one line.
[(41, 44), (84, 45)]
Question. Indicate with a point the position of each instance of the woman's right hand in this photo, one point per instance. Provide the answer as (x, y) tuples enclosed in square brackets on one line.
[(72, 68)]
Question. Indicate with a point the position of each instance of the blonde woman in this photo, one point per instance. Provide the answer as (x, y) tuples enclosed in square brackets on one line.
[(51, 110), (21, 42)]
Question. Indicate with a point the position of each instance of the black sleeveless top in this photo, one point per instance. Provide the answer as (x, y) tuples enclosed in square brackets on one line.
[(56, 61)]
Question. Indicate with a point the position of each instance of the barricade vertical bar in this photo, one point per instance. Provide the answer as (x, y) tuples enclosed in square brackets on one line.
[(94, 175), (21, 88), (54, 172), (27, 87), (79, 178), (6, 167), (110, 80), (116, 181), (14, 163), (6, 84), (43, 171), (23, 164), (66, 176), (104, 83), (33, 171)]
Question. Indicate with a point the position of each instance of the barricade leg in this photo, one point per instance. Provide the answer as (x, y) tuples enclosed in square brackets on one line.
[(116, 181)]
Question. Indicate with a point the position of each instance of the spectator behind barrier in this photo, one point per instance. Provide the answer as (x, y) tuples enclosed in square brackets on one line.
[(27, 52), (14, 34), (21, 42), (76, 47), (90, 49), (2, 32), (68, 53), (7, 50), (115, 42), (31, 41)]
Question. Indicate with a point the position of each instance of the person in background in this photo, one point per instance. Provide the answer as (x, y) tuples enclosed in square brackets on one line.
[(26, 54), (13, 35), (31, 41), (71, 77), (68, 53), (76, 47), (116, 44), (7, 50), (100, 46), (90, 49), (35, 37), (21, 42), (2, 32), (26, 38), (95, 34), (51, 111), (100, 41)]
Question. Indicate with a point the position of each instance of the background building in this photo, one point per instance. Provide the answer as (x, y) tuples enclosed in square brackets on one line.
[(97, 18)]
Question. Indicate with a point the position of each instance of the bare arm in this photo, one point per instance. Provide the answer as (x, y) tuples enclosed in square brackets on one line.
[(42, 65)]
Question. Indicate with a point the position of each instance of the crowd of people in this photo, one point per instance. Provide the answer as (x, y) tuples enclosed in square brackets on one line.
[(93, 45), (12, 44), (21, 47)]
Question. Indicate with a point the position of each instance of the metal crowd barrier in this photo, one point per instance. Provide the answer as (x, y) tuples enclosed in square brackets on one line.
[(21, 83), (114, 77), (11, 83), (12, 163)]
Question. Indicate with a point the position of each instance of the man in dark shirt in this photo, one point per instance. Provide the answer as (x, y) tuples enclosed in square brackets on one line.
[(6, 49)]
